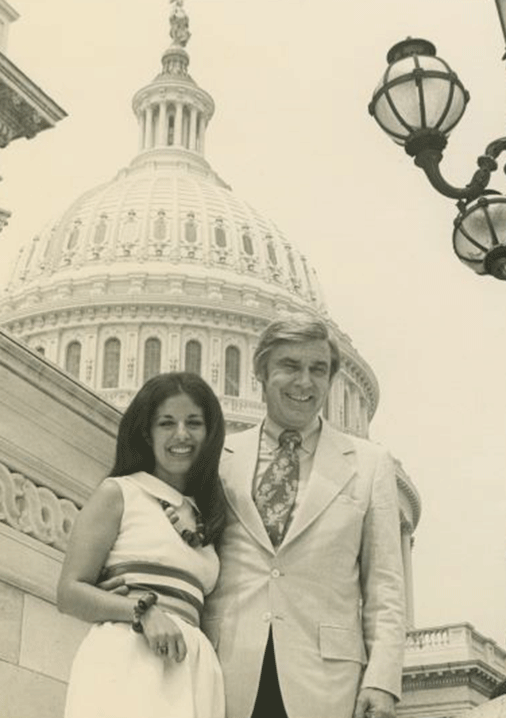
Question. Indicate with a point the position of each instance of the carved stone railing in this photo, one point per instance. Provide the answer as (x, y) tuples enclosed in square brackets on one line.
[(35, 510), (453, 642)]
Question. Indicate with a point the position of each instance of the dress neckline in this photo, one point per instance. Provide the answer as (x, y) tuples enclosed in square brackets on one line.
[(159, 489)]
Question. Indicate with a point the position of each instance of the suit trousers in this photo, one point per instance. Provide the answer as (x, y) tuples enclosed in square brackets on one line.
[(269, 702)]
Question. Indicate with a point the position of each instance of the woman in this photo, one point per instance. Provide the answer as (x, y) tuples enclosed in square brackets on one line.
[(152, 523)]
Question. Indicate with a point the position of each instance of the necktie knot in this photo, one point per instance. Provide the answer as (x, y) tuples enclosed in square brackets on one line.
[(290, 438)]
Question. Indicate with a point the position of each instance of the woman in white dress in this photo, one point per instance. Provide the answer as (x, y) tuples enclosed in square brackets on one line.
[(152, 525)]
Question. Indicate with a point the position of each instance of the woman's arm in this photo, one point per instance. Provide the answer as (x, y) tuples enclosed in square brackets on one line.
[(94, 533)]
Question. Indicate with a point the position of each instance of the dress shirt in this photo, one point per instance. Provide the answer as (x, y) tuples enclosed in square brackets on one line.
[(269, 446)]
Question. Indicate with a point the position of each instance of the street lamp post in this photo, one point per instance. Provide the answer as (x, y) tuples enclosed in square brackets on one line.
[(418, 102)]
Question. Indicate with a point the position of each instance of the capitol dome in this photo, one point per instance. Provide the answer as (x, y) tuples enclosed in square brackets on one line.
[(166, 268)]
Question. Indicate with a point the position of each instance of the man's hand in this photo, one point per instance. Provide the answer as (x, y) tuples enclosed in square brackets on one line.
[(374, 703), (115, 585)]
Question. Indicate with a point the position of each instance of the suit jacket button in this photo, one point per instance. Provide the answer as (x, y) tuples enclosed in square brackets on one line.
[(267, 616), (275, 573)]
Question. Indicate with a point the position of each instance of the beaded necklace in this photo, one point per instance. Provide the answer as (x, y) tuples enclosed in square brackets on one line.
[(192, 538)]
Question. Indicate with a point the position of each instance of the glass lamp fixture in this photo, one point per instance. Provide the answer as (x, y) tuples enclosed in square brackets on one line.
[(418, 102)]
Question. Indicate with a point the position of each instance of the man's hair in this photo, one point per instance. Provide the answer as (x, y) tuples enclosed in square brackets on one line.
[(295, 328)]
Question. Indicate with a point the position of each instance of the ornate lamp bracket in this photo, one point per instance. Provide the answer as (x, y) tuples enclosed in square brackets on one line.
[(426, 146)]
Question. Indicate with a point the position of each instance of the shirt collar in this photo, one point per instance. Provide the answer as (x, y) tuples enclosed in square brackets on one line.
[(159, 489), (272, 431)]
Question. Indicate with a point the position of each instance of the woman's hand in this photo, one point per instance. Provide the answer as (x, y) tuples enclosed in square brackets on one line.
[(163, 635)]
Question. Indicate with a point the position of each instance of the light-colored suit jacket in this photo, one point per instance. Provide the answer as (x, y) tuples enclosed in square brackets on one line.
[(333, 592)]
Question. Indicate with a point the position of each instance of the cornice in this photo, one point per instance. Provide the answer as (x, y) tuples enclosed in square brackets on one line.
[(474, 673), (25, 108)]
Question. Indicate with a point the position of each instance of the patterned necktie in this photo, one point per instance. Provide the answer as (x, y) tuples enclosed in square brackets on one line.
[(275, 495)]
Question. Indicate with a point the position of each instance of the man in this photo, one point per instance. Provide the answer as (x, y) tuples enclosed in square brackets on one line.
[(308, 614)]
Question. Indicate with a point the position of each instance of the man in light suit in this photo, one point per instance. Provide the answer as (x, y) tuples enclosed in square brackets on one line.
[(308, 614)]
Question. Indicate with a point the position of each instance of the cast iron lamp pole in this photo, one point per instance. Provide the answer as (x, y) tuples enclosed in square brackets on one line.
[(418, 101)]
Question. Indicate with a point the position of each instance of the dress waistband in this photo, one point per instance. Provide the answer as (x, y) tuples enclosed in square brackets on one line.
[(178, 591)]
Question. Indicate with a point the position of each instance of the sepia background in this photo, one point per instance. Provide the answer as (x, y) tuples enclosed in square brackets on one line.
[(292, 135)]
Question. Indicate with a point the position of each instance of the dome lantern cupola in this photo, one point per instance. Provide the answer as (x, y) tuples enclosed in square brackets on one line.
[(172, 111)]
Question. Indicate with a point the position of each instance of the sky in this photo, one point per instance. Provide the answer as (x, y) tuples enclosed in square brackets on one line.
[(292, 81)]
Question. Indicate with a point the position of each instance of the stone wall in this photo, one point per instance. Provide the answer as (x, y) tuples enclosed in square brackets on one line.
[(56, 443)]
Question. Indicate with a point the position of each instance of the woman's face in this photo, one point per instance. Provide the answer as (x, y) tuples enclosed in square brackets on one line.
[(177, 435)]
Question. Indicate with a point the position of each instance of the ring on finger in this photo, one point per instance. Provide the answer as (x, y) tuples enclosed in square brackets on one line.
[(163, 649)]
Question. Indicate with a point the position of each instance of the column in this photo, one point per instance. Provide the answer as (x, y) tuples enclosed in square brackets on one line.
[(142, 128), (408, 573), (178, 125), (149, 128), (202, 133), (162, 125), (192, 140)]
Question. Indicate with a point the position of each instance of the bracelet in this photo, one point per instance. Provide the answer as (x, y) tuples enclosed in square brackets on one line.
[(143, 604)]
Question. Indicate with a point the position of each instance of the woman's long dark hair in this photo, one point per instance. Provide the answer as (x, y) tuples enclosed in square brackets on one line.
[(134, 452)]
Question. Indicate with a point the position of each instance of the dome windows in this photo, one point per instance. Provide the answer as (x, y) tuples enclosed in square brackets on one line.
[(247, 243), (152, 357), (220, 236), (160, 226), (232, 371), (193, 357), (73, 358), (110, 370), (190, 228)]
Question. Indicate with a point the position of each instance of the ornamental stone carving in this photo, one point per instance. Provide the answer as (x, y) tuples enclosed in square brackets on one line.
[(35, 510)]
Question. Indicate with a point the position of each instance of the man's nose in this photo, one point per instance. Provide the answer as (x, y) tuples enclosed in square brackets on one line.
[(304, 378)]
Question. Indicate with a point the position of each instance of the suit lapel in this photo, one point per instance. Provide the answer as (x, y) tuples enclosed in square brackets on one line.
[(238, 470), (332, 469)]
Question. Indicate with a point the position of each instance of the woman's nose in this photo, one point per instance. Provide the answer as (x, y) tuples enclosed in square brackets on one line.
[(182, 430)]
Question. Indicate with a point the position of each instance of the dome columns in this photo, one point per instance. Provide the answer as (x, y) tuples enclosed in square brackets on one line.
[(165, 123)]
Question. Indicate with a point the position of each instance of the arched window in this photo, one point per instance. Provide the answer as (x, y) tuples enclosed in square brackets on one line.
[(160, 226), (271, 251), (100, 231), (74, 235), (220, 236), (347, 409), (291, 262), (247, 244), (170, 138), (73, 359), (232, 371), (110, 372), (190, 228), (152, 357), (193, 357)]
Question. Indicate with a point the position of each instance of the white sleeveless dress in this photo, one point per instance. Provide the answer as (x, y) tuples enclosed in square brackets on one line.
[(115, 674)]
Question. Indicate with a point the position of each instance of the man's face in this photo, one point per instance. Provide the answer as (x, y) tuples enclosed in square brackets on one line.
[(297, 382)]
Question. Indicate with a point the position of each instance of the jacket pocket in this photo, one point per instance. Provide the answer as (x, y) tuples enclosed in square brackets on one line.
[(341, 644)]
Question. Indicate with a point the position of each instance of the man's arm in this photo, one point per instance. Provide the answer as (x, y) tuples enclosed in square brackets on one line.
[(382, 583)]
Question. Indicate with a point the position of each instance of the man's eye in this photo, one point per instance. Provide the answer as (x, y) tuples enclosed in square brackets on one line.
[(320, 371)]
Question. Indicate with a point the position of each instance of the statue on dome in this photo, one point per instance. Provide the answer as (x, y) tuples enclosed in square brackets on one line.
[(179, 24)]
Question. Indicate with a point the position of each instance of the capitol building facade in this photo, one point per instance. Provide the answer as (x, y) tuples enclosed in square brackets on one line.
[(163, 268)]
